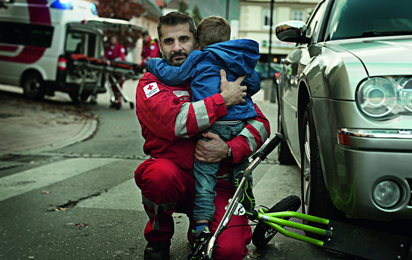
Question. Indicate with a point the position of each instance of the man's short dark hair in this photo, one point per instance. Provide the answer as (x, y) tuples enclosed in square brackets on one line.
[(145, 33), (175, 18)]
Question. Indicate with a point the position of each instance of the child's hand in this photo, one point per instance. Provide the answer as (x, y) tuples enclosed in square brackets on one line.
[(232, 92)]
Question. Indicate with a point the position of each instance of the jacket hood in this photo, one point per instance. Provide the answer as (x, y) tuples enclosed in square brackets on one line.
[(384, 55), (239, 56)]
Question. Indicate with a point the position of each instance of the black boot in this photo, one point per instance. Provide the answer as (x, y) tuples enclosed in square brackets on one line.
[(159, 251)]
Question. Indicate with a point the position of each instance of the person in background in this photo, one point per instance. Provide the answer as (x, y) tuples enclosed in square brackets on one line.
[(150, 49), (115, 52)]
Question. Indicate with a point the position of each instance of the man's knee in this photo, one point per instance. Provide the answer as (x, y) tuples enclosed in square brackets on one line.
[(159, 180)]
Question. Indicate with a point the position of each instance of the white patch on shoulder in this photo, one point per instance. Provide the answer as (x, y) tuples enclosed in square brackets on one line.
[(181, 93), (151, 89)]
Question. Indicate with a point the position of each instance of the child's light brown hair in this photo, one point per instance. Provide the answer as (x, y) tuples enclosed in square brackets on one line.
[(213, 29)]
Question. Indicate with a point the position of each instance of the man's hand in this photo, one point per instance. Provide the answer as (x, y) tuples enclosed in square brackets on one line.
[(232, 92), (213, 151)]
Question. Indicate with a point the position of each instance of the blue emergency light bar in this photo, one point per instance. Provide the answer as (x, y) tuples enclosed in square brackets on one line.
[(62, 4), (94, 9)]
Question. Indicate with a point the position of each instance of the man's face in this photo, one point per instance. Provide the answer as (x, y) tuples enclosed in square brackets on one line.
[(113, 40), (176, 43)]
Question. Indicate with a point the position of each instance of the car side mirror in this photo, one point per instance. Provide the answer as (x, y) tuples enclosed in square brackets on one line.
[(292, 31)]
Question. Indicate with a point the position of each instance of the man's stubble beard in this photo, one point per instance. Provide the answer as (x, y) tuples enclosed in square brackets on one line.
[(169, 59)]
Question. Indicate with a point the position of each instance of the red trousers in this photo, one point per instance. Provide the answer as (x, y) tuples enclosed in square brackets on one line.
[(167, 189), (116, 92)]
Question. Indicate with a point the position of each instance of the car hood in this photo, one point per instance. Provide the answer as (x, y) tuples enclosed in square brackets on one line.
[(382, 56)]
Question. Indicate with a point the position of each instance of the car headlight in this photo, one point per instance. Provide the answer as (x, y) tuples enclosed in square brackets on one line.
[(381, 97), (406, 95)]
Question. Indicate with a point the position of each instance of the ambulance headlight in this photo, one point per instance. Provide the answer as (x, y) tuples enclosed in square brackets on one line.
[(62, 4)]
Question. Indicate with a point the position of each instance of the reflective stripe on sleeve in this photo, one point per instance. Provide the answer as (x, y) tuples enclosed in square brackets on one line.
[(201, 115), (259, 126), (202, 118), (181, 118)]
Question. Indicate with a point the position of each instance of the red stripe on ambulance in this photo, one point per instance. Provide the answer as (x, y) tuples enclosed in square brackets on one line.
[(39, 13)]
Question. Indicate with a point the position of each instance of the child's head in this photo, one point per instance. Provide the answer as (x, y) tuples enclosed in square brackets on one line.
[(212, 29)]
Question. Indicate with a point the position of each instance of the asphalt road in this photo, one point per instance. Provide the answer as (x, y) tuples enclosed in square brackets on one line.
[(82, 203)]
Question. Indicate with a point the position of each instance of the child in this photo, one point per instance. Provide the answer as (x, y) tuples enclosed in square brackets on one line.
[(238, 58)]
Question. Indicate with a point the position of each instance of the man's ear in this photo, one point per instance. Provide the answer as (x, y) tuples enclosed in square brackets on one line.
[(159, 44)]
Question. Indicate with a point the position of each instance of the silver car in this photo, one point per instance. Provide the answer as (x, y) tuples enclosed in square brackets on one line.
[(345, 108)]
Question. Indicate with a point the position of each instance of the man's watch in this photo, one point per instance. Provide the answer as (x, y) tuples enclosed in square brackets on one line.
[(229, 153)]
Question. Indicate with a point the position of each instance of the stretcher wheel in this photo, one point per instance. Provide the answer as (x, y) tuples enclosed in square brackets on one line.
[(131, 104)]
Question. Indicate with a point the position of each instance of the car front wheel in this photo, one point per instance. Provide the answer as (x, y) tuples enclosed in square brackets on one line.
[(315, 196)]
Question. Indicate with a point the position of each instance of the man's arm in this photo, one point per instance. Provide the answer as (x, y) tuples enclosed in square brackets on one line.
[(255, 133), (159, 108)]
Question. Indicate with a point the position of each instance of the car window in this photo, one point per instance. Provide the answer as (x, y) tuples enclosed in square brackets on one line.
[(314, 21), (368, 18), (80, 42), (26, 34)]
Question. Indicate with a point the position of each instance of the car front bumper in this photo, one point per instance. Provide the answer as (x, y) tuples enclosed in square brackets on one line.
[(381, 151)]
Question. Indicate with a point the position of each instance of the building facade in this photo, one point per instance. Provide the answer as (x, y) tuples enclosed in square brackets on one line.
[(254, 23)]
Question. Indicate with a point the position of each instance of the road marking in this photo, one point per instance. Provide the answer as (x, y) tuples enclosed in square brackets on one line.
[(36, 178), (125, 196)]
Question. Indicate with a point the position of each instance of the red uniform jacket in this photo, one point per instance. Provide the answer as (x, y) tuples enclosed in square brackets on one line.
[(115, 53), (150, 50), (169, 122)]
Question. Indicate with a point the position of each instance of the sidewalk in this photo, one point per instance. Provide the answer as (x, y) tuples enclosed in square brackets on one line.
[(28, 126)]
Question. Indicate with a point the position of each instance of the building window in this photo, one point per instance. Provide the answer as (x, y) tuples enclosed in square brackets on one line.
[(298, 15), (266, 19)]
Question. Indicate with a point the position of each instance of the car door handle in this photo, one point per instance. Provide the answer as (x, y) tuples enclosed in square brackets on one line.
[(286, 61)]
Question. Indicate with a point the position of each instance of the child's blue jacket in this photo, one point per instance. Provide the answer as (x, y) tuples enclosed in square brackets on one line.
[(236, 57)]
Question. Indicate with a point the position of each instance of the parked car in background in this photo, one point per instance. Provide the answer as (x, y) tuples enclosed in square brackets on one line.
[(262, 69), (266, 83), (345, 108)]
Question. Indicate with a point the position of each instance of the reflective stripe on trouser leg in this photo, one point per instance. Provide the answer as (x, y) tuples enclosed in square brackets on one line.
[(158, 209), (165, 189)]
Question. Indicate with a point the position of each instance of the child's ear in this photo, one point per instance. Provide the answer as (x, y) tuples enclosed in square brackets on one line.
[(197, 46)]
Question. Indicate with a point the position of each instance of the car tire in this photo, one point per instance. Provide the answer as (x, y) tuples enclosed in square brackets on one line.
[(285, 157), (33, 86), (315, 196)]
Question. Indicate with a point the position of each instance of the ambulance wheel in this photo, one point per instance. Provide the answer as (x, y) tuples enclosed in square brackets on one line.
[(33, 86), (131, 104)]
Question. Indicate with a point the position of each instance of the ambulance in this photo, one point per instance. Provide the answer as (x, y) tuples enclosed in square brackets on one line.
[(37, 39)]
